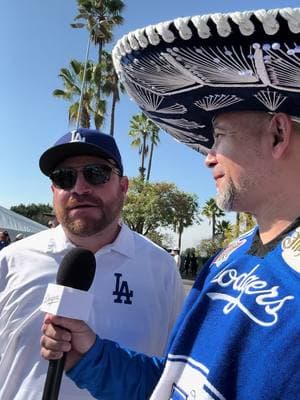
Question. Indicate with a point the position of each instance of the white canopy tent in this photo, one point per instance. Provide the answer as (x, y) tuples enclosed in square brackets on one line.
[(15, 223)]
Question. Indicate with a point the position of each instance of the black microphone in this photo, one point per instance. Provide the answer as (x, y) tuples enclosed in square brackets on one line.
[(77, 270)]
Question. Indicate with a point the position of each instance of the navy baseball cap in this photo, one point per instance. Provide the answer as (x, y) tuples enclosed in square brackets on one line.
[(81, 142)]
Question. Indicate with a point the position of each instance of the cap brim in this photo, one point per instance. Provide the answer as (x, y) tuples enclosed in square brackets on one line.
[(57, 154)]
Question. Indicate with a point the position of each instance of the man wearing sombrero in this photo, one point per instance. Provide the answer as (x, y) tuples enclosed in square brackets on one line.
[(228, 85)]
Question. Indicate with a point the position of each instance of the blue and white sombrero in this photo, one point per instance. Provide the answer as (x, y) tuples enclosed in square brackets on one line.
[(183, 72)]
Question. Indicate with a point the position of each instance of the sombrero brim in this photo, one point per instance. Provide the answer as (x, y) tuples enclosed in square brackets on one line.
[(183, 73)]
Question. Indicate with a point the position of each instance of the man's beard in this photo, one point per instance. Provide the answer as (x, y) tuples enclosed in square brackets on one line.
[(226, 200), (234, 197), (87, 226)]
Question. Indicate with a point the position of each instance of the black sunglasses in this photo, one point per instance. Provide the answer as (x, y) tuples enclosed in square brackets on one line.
[(94, 174)]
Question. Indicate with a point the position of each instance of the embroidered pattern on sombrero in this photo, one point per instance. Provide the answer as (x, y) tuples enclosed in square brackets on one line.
[(182, 72), (150, 101), (214, 102)]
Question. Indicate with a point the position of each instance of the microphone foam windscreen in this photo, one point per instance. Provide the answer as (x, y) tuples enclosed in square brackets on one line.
[(77, 269)]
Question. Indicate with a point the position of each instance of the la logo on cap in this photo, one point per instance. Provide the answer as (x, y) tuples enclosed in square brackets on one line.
[(76, 137)]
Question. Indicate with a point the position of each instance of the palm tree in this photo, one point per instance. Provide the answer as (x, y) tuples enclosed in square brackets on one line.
[(138, 131), (100, 17), (72, 82), (142, 129), (111, 86), (154, 139), (212, 211), (222, 227), (185, 208), (237, 224), (250, 221), (247, 221)]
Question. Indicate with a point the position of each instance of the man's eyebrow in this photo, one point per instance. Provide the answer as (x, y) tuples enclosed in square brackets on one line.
[(218, 127), (221, 128)]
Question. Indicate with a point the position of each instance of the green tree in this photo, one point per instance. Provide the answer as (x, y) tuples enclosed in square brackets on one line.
[(37, 212), (162, 239), (185, 212), (148, 205), (142, 131), (72, 82), (151, 206), (222, 227), (247, 222), (212, 212), (243, 223), (207, 248), (237, 223)]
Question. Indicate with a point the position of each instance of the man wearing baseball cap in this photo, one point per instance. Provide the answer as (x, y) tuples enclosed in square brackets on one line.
[(137, 290), (227, 85)]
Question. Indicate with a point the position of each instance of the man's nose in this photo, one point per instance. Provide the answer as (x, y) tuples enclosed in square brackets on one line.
[(210, 159), (81, 185)]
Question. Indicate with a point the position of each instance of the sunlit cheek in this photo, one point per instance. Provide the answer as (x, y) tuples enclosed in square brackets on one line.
[(60, 198)]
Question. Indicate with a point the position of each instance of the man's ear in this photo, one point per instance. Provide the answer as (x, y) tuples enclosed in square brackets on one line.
[(281, 130), (124, 184)]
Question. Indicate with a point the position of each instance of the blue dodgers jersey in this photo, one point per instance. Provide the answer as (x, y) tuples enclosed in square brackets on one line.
[(239, 333)]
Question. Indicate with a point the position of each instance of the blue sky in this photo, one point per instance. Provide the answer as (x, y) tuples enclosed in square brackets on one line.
[(36, 40)]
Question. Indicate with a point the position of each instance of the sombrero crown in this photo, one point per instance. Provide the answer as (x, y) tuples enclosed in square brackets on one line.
[(183, 72)]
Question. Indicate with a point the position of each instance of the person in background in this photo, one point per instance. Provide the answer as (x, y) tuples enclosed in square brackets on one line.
[(19, 236), (176, 255), (51, 224), (187, 264), (4, 239), (194, 265), (8, 239), (236, 78), (138, 292)]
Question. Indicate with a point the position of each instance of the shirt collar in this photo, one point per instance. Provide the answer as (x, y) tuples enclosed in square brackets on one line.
[(123, 244), (260, 250), (58, 241)]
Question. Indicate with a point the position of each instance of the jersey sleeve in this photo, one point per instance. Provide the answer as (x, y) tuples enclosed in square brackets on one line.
[(110, 372)]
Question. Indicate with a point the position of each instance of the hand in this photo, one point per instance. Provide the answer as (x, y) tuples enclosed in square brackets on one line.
[(65, 335)]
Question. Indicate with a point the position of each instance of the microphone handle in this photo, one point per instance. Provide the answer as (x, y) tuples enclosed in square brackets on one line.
[(53, 379)]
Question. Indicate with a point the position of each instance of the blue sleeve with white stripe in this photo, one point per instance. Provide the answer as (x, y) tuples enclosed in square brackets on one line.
[(110, 372)]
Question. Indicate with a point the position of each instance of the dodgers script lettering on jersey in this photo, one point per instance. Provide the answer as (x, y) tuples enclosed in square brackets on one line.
[(249, 284)]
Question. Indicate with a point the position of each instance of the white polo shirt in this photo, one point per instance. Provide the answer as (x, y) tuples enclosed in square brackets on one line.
[(138, 295)]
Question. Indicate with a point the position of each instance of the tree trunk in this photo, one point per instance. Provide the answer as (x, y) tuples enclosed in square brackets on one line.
[(85, 119), (142, 168), (112, 116), (100, 48), (150, 162), (140, 227), (213, 225), (237, 223), (180, 231)]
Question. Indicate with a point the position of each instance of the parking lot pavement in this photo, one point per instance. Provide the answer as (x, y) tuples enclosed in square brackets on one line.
[(187, 283)]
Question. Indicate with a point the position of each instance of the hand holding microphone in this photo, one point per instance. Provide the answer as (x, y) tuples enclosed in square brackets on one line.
[(64, 335), (76, 271)]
